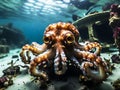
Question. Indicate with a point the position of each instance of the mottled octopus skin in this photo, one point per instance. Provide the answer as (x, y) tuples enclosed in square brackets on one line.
[(60, 47)]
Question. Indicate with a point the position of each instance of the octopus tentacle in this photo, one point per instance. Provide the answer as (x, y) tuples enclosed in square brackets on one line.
[(98, 75), (91, 45), (75, 61), (48, 55), (35, 48), (95, 60), (25, 58), (60, 64)]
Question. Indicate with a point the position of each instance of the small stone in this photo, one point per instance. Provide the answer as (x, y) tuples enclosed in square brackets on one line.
[(15, 56)]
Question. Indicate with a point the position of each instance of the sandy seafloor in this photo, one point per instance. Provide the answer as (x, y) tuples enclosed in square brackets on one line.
[(23, 80)]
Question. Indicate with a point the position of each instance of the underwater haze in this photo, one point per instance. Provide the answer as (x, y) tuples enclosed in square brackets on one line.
[(80, 51), (33, 16)]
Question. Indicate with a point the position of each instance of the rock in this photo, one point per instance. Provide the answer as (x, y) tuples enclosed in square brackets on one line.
[(4, 49), (15, 56)]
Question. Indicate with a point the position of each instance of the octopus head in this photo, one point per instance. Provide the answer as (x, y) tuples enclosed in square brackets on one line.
[(60, 37), (63, 33)]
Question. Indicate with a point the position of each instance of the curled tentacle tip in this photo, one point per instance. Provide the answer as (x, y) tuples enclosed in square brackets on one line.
[(99, 60), (86, 65)]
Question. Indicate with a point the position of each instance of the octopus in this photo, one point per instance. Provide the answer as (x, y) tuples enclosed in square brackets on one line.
[(61, 47)]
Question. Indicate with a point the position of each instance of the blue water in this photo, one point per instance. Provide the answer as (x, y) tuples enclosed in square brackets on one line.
[(33, 30), (33, 16), (31, 25)]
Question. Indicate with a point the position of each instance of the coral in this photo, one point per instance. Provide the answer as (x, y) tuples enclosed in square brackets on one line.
[(12, 70), (114, 22), (5, 81), (116, 32)]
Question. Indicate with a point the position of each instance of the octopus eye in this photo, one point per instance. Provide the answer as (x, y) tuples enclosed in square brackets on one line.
[(70, 38), (47, 39)]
